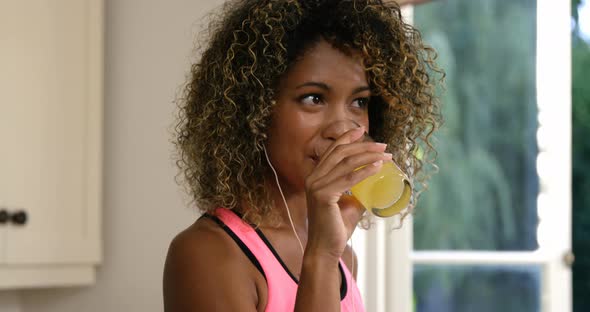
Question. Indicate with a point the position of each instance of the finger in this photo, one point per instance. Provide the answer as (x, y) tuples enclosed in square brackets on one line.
[(347, 181), (352, 163), (351, 210), (346, 152), (346, 138)]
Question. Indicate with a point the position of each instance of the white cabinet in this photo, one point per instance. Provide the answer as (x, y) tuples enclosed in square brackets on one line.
[(51, 71)]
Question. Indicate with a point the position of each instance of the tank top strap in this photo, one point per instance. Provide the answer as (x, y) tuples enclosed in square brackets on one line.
[(353, 301), (282, 290), (282, 285)]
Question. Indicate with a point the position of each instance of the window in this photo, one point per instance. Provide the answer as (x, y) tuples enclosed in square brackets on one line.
[(493, 231)]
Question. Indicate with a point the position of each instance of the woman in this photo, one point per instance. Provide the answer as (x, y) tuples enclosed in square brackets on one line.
[(271, 138)]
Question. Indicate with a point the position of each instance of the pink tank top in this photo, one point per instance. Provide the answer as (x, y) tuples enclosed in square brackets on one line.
[(282, 285)]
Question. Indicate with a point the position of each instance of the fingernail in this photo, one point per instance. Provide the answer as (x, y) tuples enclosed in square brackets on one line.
[(378, 163), (388, 155), (382, 145)]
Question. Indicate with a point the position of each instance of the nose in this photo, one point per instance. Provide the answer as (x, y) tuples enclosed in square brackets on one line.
[(338, 127)]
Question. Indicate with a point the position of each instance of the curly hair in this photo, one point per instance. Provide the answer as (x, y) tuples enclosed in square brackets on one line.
[(225, 109)]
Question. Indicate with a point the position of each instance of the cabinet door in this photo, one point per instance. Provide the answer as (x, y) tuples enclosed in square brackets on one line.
[(50, 128), (2, 226)]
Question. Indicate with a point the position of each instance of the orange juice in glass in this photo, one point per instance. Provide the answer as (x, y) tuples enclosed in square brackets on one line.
[(385, 193)]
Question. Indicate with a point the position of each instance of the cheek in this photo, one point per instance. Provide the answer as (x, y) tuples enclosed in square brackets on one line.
[(292, 132), (365, 121), (289, 145)]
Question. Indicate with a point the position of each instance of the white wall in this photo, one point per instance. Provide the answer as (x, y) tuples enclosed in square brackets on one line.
[(148, 48)]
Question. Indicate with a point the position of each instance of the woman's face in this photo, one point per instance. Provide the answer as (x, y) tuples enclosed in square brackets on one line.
[(322, 96)]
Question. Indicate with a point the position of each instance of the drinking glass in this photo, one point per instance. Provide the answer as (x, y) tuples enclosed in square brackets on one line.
[(385, 193)]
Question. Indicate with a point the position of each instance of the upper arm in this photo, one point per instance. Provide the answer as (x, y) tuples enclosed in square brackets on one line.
[(205, 272)]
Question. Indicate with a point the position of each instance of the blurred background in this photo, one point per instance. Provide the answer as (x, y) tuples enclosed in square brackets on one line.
[(488, 50), (581, 152)]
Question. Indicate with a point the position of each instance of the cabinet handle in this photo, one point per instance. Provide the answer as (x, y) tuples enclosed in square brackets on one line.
[(19, 217), (4, 216)]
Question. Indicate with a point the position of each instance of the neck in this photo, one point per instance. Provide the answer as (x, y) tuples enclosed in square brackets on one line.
[(296, 204)]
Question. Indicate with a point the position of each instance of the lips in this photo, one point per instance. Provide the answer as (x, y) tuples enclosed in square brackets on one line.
[(315, 159), (317, 153), (315, 156)]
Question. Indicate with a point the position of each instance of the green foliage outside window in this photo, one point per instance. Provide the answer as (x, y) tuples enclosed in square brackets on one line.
[(484, 196), (487, 185), (487, 50), (581, 167)]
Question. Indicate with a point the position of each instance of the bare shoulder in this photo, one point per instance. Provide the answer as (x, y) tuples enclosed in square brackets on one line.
[(206, 271)]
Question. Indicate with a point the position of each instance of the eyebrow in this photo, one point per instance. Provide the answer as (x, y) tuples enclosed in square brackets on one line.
[(324, 86)]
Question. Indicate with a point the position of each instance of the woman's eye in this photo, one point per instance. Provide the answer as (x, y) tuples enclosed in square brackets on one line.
[(361, 102), (311, 99)]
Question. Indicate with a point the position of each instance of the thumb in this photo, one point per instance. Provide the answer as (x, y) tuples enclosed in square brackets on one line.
[(351, 210)]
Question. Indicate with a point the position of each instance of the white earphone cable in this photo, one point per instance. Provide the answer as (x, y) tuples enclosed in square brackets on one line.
[(284, 201), (351, 293)]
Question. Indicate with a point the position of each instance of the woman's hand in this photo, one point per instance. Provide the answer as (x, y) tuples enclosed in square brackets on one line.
[(332, 215)]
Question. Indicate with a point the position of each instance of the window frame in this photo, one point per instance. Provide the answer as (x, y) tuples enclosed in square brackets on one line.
[(387, 257)]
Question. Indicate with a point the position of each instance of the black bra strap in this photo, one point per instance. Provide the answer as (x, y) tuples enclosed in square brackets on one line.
[(276, 254), (250, 255), (238, 241), (343, 284)]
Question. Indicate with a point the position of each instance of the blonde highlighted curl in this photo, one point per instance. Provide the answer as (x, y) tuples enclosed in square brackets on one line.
[(226, 106)]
